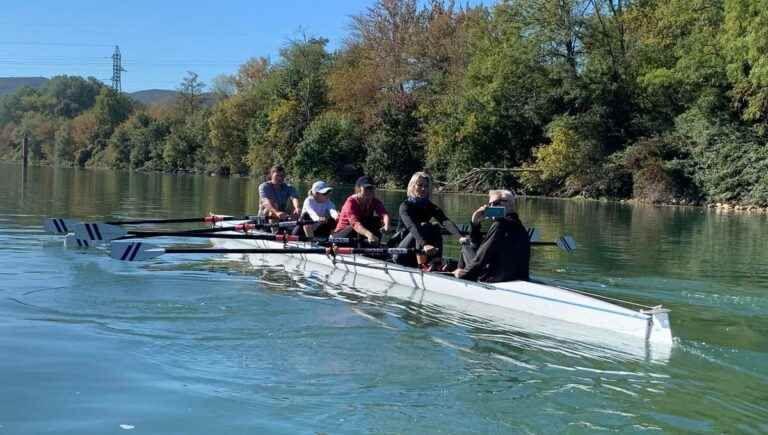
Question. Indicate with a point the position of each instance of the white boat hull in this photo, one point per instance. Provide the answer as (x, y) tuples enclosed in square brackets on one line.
[(537, 299)]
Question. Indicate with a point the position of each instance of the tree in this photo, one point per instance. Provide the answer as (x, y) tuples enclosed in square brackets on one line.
[(746, 47), (187, 144), (224, 86), (251, 73), (40, 132), (230, 124), (395, 149), (111, 109), (300, 94), (331, 149), (69, 96), (190, 94), (498, 114), (386, 31), (64, 145)]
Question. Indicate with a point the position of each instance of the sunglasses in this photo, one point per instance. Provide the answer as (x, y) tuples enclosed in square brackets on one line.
[(497, 202)]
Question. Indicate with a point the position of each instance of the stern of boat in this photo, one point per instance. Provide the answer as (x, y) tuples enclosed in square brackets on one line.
[(659, 330)]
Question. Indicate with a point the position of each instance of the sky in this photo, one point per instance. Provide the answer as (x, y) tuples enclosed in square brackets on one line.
[(159, 40)]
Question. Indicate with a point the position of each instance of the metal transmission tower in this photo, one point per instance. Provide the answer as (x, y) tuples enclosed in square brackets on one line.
[(117, 70)]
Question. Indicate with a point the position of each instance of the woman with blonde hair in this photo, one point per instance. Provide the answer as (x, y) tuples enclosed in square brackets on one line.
[(416, 213)]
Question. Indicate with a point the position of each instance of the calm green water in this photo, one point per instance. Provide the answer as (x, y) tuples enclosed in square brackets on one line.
[(189, 344)]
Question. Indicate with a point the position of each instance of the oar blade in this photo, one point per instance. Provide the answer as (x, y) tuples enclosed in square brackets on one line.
[(134, 251), (566, 243), (534, 235), (72, 242), (59, 225), (98, 232)]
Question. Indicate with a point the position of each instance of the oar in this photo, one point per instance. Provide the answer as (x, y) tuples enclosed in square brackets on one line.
[(566, 243), (58, 225), (215, 235), (136, 251), (101, 232), (51, 223)]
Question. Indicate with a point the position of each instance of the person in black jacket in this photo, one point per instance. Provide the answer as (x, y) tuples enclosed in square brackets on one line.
[(416, 229), (505, 251)]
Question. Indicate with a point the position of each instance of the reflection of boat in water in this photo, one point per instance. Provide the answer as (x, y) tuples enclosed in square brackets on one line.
[(552, 314)]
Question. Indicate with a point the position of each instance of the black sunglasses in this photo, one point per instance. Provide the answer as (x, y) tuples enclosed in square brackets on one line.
[(497, 202)]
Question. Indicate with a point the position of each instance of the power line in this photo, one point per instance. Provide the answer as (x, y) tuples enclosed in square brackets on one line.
[(57, 44)]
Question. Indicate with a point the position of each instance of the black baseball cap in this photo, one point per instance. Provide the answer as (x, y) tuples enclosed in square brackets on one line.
[(365, 181)]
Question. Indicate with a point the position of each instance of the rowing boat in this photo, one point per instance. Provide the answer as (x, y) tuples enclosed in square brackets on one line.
[(524, 305), (563, 305)]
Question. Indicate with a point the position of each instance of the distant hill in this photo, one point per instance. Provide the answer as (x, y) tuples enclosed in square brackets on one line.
[(148, 97), (8, 85), (153, 96)]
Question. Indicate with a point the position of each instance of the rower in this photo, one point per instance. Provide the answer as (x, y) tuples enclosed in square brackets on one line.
[(274, 196), (415, 229), (318, 208), (363, 213), (505, 251)]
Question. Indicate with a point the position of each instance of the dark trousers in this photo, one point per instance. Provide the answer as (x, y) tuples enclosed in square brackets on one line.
[(467, 254), (323, 230), (432, 235), (372, 224)]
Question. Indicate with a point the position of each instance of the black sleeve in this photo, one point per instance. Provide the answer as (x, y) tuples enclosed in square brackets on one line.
[(475, 234), (438, 213), (405, 219), (490, 247)]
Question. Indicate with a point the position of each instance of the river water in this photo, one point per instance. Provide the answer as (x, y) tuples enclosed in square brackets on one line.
[(196, 344)]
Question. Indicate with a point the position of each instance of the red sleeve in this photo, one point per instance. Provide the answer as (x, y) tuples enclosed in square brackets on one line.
[(353, 212), (379, 207)]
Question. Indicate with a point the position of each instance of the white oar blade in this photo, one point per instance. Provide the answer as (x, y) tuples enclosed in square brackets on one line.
[(97, 232), (58, 225), (72, 242), (534, 235), (566, 243), (134, 251)]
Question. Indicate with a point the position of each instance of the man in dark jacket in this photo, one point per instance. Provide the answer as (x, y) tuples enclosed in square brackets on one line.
[(505, 251)]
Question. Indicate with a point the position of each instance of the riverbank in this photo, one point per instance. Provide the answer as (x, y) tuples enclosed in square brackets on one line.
[(720, 207)]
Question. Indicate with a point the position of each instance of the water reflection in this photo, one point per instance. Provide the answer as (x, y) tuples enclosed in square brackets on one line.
[(266, 336)]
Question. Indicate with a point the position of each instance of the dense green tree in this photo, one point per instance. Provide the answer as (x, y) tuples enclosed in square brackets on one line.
[(394, 150), (111, 109), (186, 145), (301, 94), (745, 40), (498, 116), (69, 96), (331, 149), (64, 145), (229, 125)]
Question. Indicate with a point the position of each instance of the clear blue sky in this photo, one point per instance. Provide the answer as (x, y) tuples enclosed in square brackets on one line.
[(160, 40)]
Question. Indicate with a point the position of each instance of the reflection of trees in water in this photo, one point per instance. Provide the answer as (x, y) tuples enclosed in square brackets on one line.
[(614, 239)]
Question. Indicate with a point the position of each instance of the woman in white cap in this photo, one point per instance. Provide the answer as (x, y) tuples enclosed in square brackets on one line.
[(319, 209)]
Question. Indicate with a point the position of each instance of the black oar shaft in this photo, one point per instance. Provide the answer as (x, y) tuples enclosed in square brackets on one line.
[(191, 233), (246, 251), (210, 219)]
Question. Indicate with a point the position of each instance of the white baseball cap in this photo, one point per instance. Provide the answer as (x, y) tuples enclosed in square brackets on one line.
[(321, 187)]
